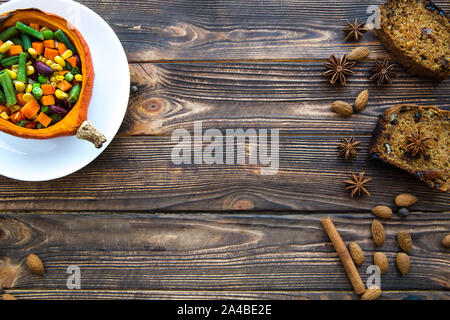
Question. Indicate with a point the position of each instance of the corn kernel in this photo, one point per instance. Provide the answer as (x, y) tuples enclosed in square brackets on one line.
[(15, 68), (41, 58), (43, 29), (32, 53), (56, 67), (54, 84), (52, 79), (4, 115), (49, 62), (79, 77), (29, 88), (29, 63), (27, 97), (59, 78), (20, 86), (6, 46), (60, 61), (30, 70), (14, 108), (67, 54), (12, 74), (61, 95)]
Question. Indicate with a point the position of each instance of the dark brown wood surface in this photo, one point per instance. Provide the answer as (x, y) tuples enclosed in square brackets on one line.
[(141, 227)]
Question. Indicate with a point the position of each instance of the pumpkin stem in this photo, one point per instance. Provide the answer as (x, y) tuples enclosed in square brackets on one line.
[(89, 133)]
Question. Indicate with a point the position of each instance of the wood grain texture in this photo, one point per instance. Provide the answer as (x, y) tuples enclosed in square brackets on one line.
[(137, 173), (291, 97), (222, 295), (217, 252), (151, 30)]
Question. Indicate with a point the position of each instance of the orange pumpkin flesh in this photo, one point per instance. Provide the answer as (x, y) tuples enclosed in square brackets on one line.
[(78, 114)]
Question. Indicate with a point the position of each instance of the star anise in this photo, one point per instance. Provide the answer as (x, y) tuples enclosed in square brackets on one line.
[(355, 30), (418, 143), (357, 184), (348, 147), (338, 69), (383, 72)]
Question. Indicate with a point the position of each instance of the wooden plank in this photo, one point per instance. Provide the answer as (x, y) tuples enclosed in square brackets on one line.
[(292, 97), (222, 295), (137, 173), (233, 30), (211, 252)]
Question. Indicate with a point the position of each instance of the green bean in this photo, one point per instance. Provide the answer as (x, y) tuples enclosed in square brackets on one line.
[(18, 41), (75, 70), (22, 123), (26, 41), (6, 83), (48, 34), (2, 56), (22, 72), (2, 97), (55, 118), (39, 126), (8, 33), (61, 37), (74, 94), (8, 62), (29, 31)]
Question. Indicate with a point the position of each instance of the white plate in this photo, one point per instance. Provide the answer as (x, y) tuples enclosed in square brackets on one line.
[(40, 160)]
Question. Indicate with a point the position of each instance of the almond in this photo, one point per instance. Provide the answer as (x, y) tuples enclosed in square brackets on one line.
[(361, 100), (372, 293), (378, 233), (343, 108), (8, 296), (432, 174), (35, 264), (403, 262), (405, 241), (356, 253), (383, 212), (358, 54), (381, 261), (446, 241), (405, 200)]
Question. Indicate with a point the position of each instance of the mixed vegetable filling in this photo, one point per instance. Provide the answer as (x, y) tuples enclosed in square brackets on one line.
[(40, 77)]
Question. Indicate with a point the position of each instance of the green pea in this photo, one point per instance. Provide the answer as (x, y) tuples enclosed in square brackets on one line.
[(42, 79), (48, 34), (37, 93), (36, 85), (45, 109), (68, 77)]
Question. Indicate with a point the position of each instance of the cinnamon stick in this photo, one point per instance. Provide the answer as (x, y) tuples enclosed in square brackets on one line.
[(344, 255)]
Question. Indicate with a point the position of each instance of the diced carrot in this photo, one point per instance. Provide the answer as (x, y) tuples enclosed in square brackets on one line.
[(16, 117), (64, 85), (72, 61), (35, 26), (61, 48), (44, 119), (4, 109), (38, 46), (62, 73), (48, 100), (31, 125), (15, 50), (50, 53), (49, 44), (48, 89), (31, 109), (1, 42), (20, 100)]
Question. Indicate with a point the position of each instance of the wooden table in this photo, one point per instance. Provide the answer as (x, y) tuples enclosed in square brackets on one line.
[(140, 226)]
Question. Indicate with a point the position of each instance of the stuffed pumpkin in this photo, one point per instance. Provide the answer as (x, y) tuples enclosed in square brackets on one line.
[(46, 77)]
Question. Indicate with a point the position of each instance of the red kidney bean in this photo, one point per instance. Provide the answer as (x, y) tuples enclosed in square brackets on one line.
[(58, 110), (43, 69)]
